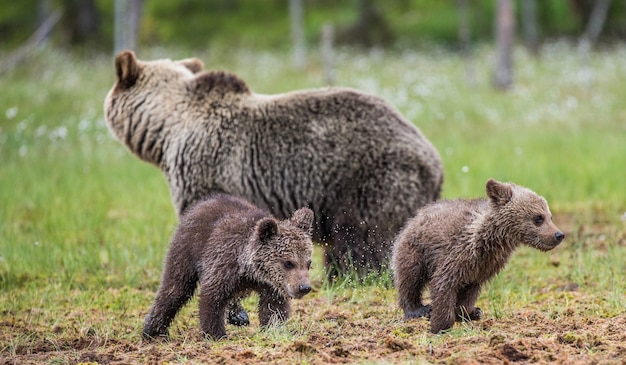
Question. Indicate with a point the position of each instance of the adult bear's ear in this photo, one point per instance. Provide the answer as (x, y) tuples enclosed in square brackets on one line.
[(194, 65), (499, 193), (303, 219), (127, 68), (266, 228)]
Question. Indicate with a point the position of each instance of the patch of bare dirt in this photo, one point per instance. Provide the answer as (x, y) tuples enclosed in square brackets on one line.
[(527, 337)]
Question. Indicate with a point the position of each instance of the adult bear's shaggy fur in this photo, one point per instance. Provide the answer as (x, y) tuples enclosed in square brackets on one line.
[(350, 157)]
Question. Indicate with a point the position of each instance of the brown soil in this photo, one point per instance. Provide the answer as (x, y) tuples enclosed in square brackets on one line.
[(331, 336)]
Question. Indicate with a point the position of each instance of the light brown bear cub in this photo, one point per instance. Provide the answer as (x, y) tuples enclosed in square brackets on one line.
[(456, 246), (231, 247)]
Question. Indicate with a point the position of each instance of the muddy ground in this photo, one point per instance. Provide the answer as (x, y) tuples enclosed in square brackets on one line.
[(333, 335)]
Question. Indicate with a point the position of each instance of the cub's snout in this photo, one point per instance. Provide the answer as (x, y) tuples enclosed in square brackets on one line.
[(304, 289), (559, 236), (298, 284)]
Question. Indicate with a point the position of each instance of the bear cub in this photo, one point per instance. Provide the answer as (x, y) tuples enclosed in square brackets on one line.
[(231, 247), (456, 246)]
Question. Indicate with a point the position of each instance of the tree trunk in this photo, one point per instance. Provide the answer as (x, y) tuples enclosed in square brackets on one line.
[(465, 35), (126, 26), (594, 25), (44, 9), (82, 21), (505, 28), (529, 26), (134, 19), (328, 33), (371, 28), (297, 33)]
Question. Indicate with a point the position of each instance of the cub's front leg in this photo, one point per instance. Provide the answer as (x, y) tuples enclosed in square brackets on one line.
[(443, 313), (212, 303), (273, 307)]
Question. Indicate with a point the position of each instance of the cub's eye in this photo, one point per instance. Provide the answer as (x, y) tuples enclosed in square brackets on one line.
[(289, 265), (308, 265), (538, 219)]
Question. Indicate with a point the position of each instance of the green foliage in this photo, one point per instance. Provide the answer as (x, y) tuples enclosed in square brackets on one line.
[(61, 170), (266, 24), (202, 24), (16, 20)]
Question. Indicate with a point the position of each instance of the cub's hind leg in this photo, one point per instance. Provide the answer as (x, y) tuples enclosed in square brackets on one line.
[(410, 277), (175, 290)]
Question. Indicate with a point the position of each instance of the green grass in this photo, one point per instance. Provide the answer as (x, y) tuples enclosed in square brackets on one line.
[(84, 225)]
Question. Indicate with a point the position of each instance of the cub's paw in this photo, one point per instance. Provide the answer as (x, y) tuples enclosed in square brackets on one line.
[(474, 315), (150, 335), (423, 311), (153, 330), (238, 318)]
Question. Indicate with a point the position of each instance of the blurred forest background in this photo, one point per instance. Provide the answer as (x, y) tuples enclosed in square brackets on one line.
[(106, 25)]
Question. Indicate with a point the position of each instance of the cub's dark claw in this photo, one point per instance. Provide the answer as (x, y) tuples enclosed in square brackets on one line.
[(238, 318)]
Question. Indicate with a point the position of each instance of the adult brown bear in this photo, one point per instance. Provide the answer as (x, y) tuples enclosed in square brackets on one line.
[(350, 157)]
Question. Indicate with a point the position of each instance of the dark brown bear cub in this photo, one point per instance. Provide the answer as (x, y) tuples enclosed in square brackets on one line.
[(231, 247), (456, 246)]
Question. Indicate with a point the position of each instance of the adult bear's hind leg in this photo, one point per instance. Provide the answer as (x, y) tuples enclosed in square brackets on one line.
[(348, 253)]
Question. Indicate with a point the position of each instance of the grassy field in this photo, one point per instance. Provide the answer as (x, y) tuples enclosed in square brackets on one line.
[(84, 225)]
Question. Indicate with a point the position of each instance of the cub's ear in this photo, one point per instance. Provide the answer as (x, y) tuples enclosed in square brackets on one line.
[(193, 64), (499, 193), (266, 228), (303, 219), (127, 68)]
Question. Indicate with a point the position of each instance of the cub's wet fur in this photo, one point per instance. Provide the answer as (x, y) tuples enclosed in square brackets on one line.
[(231, 247), (456, 246)]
